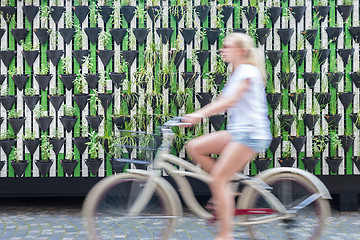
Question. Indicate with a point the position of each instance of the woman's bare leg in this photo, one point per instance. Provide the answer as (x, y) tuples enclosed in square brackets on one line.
[(233, 159), (201, 147)]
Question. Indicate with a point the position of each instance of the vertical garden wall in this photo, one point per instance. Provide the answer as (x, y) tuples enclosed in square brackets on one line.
[(74, 71)]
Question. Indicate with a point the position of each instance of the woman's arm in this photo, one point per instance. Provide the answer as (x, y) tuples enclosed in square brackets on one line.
[(220, 105)]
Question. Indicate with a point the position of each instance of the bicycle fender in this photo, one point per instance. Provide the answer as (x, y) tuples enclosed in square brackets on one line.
[(312, 178)]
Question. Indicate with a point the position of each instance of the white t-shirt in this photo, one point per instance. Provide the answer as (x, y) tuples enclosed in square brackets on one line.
[(249, 114)]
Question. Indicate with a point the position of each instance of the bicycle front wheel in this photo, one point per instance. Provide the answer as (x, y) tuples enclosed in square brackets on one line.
[(108, 210), (290, 189)]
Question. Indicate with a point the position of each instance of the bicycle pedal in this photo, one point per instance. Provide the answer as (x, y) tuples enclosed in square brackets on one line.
[(290, 223)]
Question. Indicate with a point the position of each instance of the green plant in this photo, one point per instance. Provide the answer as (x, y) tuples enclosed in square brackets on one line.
[(88, 64), (70, 155), (142, 75), (265, 18), (54, 38), (29, 134), (69, 111), (335, 142), (80, 37), (45, 147), (156, 97), (104, 38), (56, 91), (83, 2), (44, 70), (93, 14), (125, 3), (152, 53), (347, 2), (4, 91), (14, 113), (140, 13), (44, 15), (120, 64), (102, 81), (315, 64), (275, 129), (28, 46), (115, 150), (286, 151), (83, 130), (189, 17), (56, 134), (93, 145), (117, 19), (69, 19), (40, 111), (67, 64), (27, 2), (219, 65), (95, 102), (15, 155), (7, 135), (30, 91), (132, 38), (80, 83)]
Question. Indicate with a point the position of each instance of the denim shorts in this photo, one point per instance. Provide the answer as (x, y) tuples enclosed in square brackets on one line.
[(258, 145)]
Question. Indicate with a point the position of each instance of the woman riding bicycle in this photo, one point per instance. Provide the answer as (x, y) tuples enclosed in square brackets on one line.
[(248, 128)]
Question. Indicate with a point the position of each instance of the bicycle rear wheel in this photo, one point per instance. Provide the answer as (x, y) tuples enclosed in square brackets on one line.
[(106, 209), (290, 189)]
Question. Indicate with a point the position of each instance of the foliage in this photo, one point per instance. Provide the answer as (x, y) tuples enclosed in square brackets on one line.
[(69, 111), (15, 155), (56, 91), (219, 65), (102, 81), (7, 135), (28, 46), (70, 155), (57, 134), (94, 101), (14, 113), (319, 144), (45, 147), (82, 130), (69, 19), (93, 13), (40, 111), (93, 145), (80, 37), (54, 38), (30, 92), (44, 70), (104, 38), (44, 15), (286, 151), (67, 64), (120, 64), (140, 13), (4, 91), (87, 63), (29, 134), (80, 83), (335, 142)]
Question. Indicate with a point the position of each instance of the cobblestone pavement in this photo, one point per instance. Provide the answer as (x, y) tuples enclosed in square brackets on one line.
[(59, 218)]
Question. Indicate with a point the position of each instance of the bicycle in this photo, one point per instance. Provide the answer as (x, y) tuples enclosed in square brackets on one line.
[(125, 204)]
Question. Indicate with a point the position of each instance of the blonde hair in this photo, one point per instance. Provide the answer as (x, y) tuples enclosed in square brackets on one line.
[(255, 56)]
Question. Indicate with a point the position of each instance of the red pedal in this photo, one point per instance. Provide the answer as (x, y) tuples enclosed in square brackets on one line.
[(254, 211)]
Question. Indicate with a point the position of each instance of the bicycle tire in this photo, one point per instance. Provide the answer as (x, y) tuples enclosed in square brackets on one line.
[(105, 209), (290, 189)]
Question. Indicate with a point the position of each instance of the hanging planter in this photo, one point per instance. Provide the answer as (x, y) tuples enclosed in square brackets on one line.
[(32, 145), (44, 166), (262, 34), (30, 12), (118, 164), (31, 101), (218, 79), (20, 80), (129, 56), (204, 98), (345, 11), (8, 12), (285, 35), (274, 13), (80, 143), (346, 54), (7, 101), (177, 11), (68, 80), (165, 34), (94, 121), (355, 119), (189, 78), (334, 163), (298, 142), (105, 56), (310, 120), (346, 98), (239, 30), (355, 33), (117, 78), (250, 12), (93, 34), (7, 145), (54, 56), (226, 11), (56, 101), (19, 167), (298, 12), (57, 144), (69, 166), (310, 79), (154, 12), (43, 80), (120, 121), (130, 99), (310, 163), (7, 57), (355, 78), (212, 34), (285, 79), (286, 162), (321, 12), (105, 13), (262, 163), (274, 56), (105, 99), (56, 13), (217, 121), (323, 99), (274, 99), (30, 56), (323, 54), (68, 122), (285, 121), (42, 34), (44, 123), (297, 99), (356, 160), (81, 12), (19, 34), (346, 142), (298, 56), (93, 165), (202, 12), (333, 33), (67, 34), (333, 120), (16, 124), (188, 34), (81, 100), (140, 35), (92, 80), (2, 78), (202, 56), (334, 78), (118, 34), (310, 35), (80, 54), (128, 12)]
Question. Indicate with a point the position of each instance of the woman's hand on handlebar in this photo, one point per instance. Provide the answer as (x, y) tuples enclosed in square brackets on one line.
[(192, 119)]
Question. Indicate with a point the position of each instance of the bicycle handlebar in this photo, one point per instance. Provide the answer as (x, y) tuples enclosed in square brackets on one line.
[(175, 122)]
